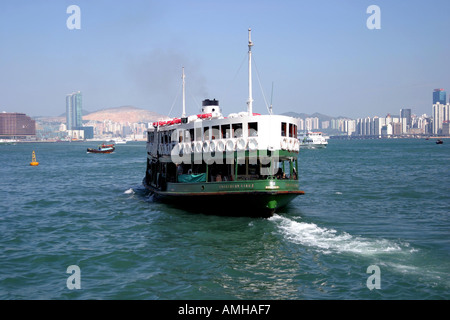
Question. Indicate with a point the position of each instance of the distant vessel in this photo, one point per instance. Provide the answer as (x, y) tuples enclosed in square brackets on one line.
[(8, 142), (439, 141), (244, 164), (109, 148), (119, 141), (312, 140)]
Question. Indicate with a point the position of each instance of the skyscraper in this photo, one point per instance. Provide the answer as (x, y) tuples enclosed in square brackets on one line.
[(439, 95), (441, 113), (406, 114), (74, 114)]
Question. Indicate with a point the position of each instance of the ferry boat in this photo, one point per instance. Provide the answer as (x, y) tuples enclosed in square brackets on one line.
[(243, 164), (312, 140)]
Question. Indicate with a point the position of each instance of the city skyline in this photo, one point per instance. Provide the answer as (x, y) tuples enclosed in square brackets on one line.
[(319, 56)]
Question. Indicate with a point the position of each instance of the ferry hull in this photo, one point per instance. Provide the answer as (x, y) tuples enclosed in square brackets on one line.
[(211, 200)]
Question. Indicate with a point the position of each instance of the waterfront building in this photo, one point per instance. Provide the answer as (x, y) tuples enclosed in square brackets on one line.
[(312, 123), (378, 124), (335, 124), (368, 126), (74, 114), (88, 132), (76, 134), (301, 124), (446, 128), (440, 113), (387, 130), (17, 126), (397, 129), (439, 96), (347, 125)]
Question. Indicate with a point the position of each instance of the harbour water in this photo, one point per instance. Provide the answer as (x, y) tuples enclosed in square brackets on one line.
[(383, 203)]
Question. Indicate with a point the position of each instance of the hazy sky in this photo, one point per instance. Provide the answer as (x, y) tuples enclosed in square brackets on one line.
[(319, 54)]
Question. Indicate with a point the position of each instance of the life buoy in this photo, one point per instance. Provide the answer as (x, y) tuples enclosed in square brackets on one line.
[(284, 144), (212, 146), (198, 147), (252, 144), (241, 144), (187, 148), (206, 146), (220, 146), (291, 144), (204, 115), (296, 145), (230, 145)]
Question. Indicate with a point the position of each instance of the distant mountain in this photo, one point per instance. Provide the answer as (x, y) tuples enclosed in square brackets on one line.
[(296, 115), (124, 114), (322, 117), (83, 112)]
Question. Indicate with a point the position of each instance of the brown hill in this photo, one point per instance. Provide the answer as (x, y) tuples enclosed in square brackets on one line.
[(124, 114)]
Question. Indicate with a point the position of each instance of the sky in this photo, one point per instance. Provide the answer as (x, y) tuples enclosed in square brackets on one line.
[(308, 56)]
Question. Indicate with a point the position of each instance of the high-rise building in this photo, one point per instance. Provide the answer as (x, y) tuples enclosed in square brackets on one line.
[(439, 95), (441, 113), (16, 126), (406, 114), (74, 114), (378, 124)]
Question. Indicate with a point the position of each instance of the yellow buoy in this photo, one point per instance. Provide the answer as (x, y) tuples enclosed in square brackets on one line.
[(33, 160)]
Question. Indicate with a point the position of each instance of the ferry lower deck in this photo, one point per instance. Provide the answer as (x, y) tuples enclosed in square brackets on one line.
[(248, 187)]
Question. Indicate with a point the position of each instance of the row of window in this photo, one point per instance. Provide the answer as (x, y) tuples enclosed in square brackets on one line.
[(218, 132), (290, 130)]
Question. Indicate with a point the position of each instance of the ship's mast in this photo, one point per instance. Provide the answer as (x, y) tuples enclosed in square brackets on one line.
[(184, 96), (250, 96), (271, 100)]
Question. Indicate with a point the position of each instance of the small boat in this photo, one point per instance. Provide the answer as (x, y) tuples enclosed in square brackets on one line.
[(439, 141), (104, 148)]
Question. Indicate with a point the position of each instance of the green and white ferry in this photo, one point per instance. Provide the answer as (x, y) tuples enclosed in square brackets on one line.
[(243, 164)]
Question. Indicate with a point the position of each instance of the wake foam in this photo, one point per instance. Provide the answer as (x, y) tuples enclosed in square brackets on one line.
[(129, 191), (331, 241)]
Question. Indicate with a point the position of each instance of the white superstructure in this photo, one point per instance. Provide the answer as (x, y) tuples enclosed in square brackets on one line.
[(312, 140)]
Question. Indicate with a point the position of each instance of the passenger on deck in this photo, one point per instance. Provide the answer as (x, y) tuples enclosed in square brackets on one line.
[(279, 174)]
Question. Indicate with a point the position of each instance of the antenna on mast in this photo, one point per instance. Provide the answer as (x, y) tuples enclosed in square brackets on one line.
[(250, 97), (184, 96), (271, 99)]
